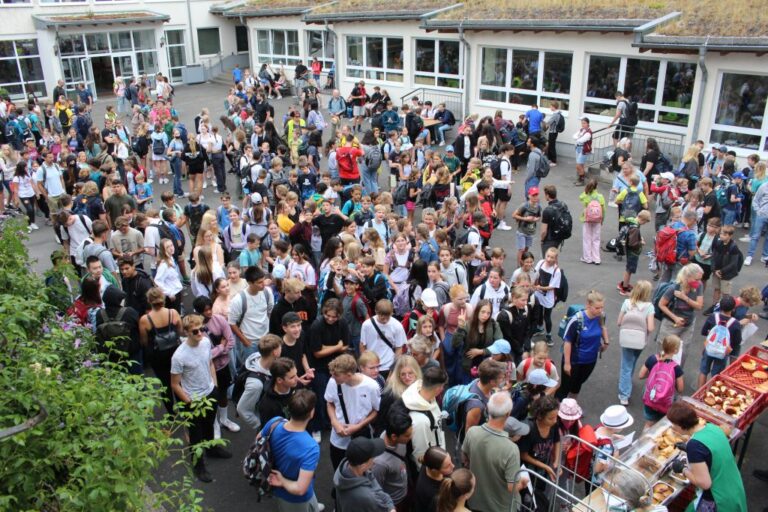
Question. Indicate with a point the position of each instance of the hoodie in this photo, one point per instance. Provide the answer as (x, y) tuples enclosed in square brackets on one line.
[(136, 289), (359, 493), (427, 431), (273, 404), (254, 386), (113, 299)]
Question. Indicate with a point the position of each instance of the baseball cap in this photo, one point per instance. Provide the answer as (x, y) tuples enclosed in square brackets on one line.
[(740, 175), (500, 347), (539, 377), (429, 298), (351, 278), (533, 191), (449, 149), (515, 427), (362, 449), (278, 271), (256, 198), (723, 148), (667, 176)]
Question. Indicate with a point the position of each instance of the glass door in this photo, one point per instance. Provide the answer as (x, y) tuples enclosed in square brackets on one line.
[(86, 67), (122, 65)]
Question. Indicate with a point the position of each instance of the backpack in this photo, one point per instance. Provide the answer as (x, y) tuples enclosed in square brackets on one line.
[(587, 147), (495, 165), (657, 295), (158, 147), (139, 145), (573, 310), (80, 206), (400, 195), (238, 388), (579, 456), (453, 400), (633, 331), (542, 169), (663, 164), (594, 212), (560, 123), (722, 196), (165, 232), (634, 238), (63, 117), (631, 205), (114, 330), (562, 225), (80, 250), (719, 338), (561, 292), (404, 300), (666, 245), (630, 114), (464, 237), (258, 464), (373, 158), (529, 361), (660, 388)]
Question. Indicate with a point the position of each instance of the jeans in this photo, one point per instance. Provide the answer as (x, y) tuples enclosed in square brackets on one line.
[(370, 179), (176, 169), (441, 131), (320, 421), (730, 216), (29, 205), (217, 159), (755, 232), (629, 357)]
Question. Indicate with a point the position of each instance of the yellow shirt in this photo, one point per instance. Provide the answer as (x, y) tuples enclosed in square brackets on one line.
[(284, 223)]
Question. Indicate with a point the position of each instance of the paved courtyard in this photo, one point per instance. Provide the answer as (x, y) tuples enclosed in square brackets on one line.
[(230, 491)]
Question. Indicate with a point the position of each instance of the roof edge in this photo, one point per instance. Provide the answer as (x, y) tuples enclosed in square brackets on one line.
[(696, 43), (599, 25), (366, 16), (43, 21)]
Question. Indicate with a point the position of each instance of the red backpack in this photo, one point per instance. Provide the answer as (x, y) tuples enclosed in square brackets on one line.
[(579, 456), (529, 361), (666, 245)]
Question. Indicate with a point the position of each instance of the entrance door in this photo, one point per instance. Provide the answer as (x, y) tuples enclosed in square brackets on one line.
[(87, 67), (122, 66), (103, 74)]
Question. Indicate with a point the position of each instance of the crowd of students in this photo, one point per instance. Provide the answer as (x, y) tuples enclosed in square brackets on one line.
[(322, 303)]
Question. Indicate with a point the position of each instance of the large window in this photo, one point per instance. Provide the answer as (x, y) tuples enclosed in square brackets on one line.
[(375, 58), (278, 46), (525, 77), (241, 38), (208, 42), (438, 63), (21, 72), (322, 45), (176, 51), (663, 89), (740, 117)]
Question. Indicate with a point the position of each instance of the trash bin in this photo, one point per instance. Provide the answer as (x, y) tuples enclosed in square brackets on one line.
[(193, 74)]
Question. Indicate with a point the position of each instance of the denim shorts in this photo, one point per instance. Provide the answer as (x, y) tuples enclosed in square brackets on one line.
[(581, 158), (710, 365), (524, 241), (632, 260)]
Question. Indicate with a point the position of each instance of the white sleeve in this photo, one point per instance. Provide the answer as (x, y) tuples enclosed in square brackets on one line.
[(235, 309), (400, 339)]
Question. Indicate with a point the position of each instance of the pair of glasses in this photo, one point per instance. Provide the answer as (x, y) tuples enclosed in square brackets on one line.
[(196, 331)]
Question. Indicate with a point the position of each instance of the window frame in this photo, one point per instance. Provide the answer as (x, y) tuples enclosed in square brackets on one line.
[(436, 75), (540, 93), (218, 33), (761, 132), (17, 59), (169, 45), (364, 69), (285, 59), (324, 39), (657, 107)]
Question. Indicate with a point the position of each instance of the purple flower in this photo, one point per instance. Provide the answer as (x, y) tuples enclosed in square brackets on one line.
[(77, 342), (88, 363)]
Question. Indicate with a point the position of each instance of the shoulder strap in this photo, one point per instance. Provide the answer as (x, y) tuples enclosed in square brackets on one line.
[(151, 323), (120, 313), (381, 334), (244, 306), (341, 403)]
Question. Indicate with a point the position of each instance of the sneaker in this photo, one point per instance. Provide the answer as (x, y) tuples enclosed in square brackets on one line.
[(442, 143), (745, 225), (579, 181), (230, 425), (613, 205), (202, 474), (317, 436), (748, 261), (745, 238), (548, 338), (216, 429), (33, 227), (205, 183), (624, 401), (622, 290), (764, 259), (320, 507), (709, 310), (48, 222), (585, 261), (218, 452), (503, 226)]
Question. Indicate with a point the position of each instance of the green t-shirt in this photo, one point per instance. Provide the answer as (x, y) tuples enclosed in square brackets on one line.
[(494, 460)]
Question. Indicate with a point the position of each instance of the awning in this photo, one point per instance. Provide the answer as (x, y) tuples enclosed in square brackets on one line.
[(93, 19)]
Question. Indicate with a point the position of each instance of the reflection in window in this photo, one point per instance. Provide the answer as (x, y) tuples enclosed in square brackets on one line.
[(278, 46), (525, 70), (71, 45), (557, 72), (176, 52), (374, 52), (375, 58), (678, 84), (21, 72), (354, 51), (320, 44), (641, 80), (122, 40), (603, 78), (494, 67), (740, 119), (425, 55)]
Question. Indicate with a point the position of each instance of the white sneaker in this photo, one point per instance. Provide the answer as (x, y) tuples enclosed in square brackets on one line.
[(216, 429), (442, 143), (230, 425), (745, 238), (205, 183), (317, 436), (320, 507), (748, 261), (613, 205), (34, 226), (503, 226)]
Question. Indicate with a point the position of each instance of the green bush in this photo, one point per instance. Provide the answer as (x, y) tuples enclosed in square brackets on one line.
[(101, 442)]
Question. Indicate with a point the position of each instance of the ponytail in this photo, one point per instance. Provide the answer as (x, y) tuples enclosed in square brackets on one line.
[(454, 487)]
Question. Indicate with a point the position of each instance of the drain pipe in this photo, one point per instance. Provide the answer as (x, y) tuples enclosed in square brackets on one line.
[(191, 32), (703, 85), (467, 61), (335, 56)]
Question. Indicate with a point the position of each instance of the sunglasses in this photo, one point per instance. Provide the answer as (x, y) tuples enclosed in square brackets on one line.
[(196, 331)]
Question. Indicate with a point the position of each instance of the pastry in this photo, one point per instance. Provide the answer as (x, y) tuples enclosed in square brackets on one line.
[(760, 375), (749, 365)]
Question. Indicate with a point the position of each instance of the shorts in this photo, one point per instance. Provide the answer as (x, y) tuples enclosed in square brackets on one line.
[(358, 111), (581, 158), (721, 285), (502, 194), (652, 414), (623, 131), (712, 366), (707, 269), (423, 134), (410, 206), (223, 380), (523, 241), (158, 158), (632, 260)]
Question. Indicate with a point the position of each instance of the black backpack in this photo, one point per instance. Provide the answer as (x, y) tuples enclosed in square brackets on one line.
[(114, 330), (239, 386), (630, 114), (165, 232), (158, 147), (560, 123), (258, 464), (562, 225)]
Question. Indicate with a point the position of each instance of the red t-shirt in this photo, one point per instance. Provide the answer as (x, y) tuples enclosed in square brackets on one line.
[(346, 158)]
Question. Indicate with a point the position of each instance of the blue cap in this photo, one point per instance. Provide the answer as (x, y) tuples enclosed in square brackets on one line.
[(500, 347), (740, 175), (449, 149)]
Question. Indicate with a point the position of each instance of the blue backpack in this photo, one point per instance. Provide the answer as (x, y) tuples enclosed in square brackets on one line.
[(657, 295), (631, 205), (453, 400), (570, 313)]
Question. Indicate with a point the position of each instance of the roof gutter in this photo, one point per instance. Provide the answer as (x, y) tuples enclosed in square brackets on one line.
[(700, 96), (528, 25), (441, 10), (651, 25), (697, 47)]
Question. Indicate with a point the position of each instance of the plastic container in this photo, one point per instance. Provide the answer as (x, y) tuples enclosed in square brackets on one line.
[(738, 373), (759, 352), (746, 417)]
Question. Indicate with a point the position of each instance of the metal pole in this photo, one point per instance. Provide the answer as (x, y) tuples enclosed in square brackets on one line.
[(191, 31)]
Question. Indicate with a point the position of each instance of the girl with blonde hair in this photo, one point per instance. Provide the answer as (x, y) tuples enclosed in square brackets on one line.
[(405, 372), (636, 323)]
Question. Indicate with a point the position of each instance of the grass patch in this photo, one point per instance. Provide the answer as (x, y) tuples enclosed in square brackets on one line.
[(282, 4), (386, 6)]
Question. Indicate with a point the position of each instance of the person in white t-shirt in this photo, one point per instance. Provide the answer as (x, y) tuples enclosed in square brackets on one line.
[(370, 339), (494, 290), (193, 378), (73, 229), (549, 276), (249, 319), (353, 401)]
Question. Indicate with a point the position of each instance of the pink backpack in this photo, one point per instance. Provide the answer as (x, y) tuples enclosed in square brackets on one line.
[(660, 388), (594, 212)]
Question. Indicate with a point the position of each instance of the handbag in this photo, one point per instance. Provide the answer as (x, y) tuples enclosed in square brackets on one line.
[(164, 340)]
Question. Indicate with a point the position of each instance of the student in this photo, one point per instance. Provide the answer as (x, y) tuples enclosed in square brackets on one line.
[(193, 378), (356, 488), (280, 388), (353, 401), (549, 276), (383, 335), (670, 346), (420, 399), (636, 322), (515, 324), (727, 260), (257, 365), (393, 469), (527, 215), (634, 246), (710, 364)]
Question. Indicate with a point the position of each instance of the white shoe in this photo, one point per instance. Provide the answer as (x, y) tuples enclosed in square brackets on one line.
[(216, 429), (745, 238), (613, 205), (230, 425), (317, 436), (34, 227), (320, 507), (205, 183), (503, 226), (748, 261), (442, 143)]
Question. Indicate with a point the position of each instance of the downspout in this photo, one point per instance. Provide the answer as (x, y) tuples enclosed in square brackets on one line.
[(703, 86), (191, 32), (336, 49), (467, 61)]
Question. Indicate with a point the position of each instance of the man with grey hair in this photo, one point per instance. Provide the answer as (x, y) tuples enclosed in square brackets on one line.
[(686, 245), (492, 456)]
